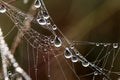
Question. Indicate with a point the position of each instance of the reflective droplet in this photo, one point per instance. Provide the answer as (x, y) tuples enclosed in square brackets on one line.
[(54, 27), (57, 42), (115, 45), (105, 44), (51, 41), (41, 21), (45, 14), (96, 73), (97, 44), (85, 63), (9, 73), (48, 22), (37, 3), (2, 9), (74, 58), (71, 47), (68, 53), (77, 53), (20, 70)]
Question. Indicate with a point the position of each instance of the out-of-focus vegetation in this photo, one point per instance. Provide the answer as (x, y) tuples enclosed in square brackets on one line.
[(88, 20)]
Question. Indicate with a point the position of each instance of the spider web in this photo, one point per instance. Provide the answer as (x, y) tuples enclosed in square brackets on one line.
[(42, 60)]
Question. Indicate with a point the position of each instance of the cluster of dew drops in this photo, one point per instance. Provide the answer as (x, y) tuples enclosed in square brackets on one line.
[(57, 41)]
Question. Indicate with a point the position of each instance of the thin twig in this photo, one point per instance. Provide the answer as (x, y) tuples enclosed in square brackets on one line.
[(26, 27)]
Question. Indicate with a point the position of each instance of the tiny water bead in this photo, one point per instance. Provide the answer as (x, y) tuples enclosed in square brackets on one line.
[(57, 41), (54, 27), (74, 58), (105, 44), (71, 47), (2, 9), (45, 14), (68, 53), (48, 22), (41, 21), (20, 70), (95, 73), (37, 3), (9, 73), (85, 64), (115, 45), (97, 44)]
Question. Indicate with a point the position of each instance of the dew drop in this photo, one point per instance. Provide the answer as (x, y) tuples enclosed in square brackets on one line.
[(20, 70), (115, 45), (2, 9), (85, 63), (41, 21), (68, 53), (77, 53), (74, 58), (37, 3), (9, 73), (54, 27), (45, 14), (71, 47), (57, 41), (105, 44), (48, 22), (96, 73), (51, 41), (97, 44)]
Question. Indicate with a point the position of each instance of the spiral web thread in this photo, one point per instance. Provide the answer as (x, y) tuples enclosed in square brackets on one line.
[(41, 45)]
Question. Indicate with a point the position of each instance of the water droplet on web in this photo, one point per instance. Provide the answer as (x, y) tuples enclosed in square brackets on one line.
[(85, 63), (105, 44), (20, 70), (48, 22), (68, 53), (115, 45), (97, 44), (52, 41), (54, 27), (77, 53), (74, 58), (37, 3), (2, 9), (57, 41), (9, 73), (41, 21), (71, 47), (45, 14), (95, 73)]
